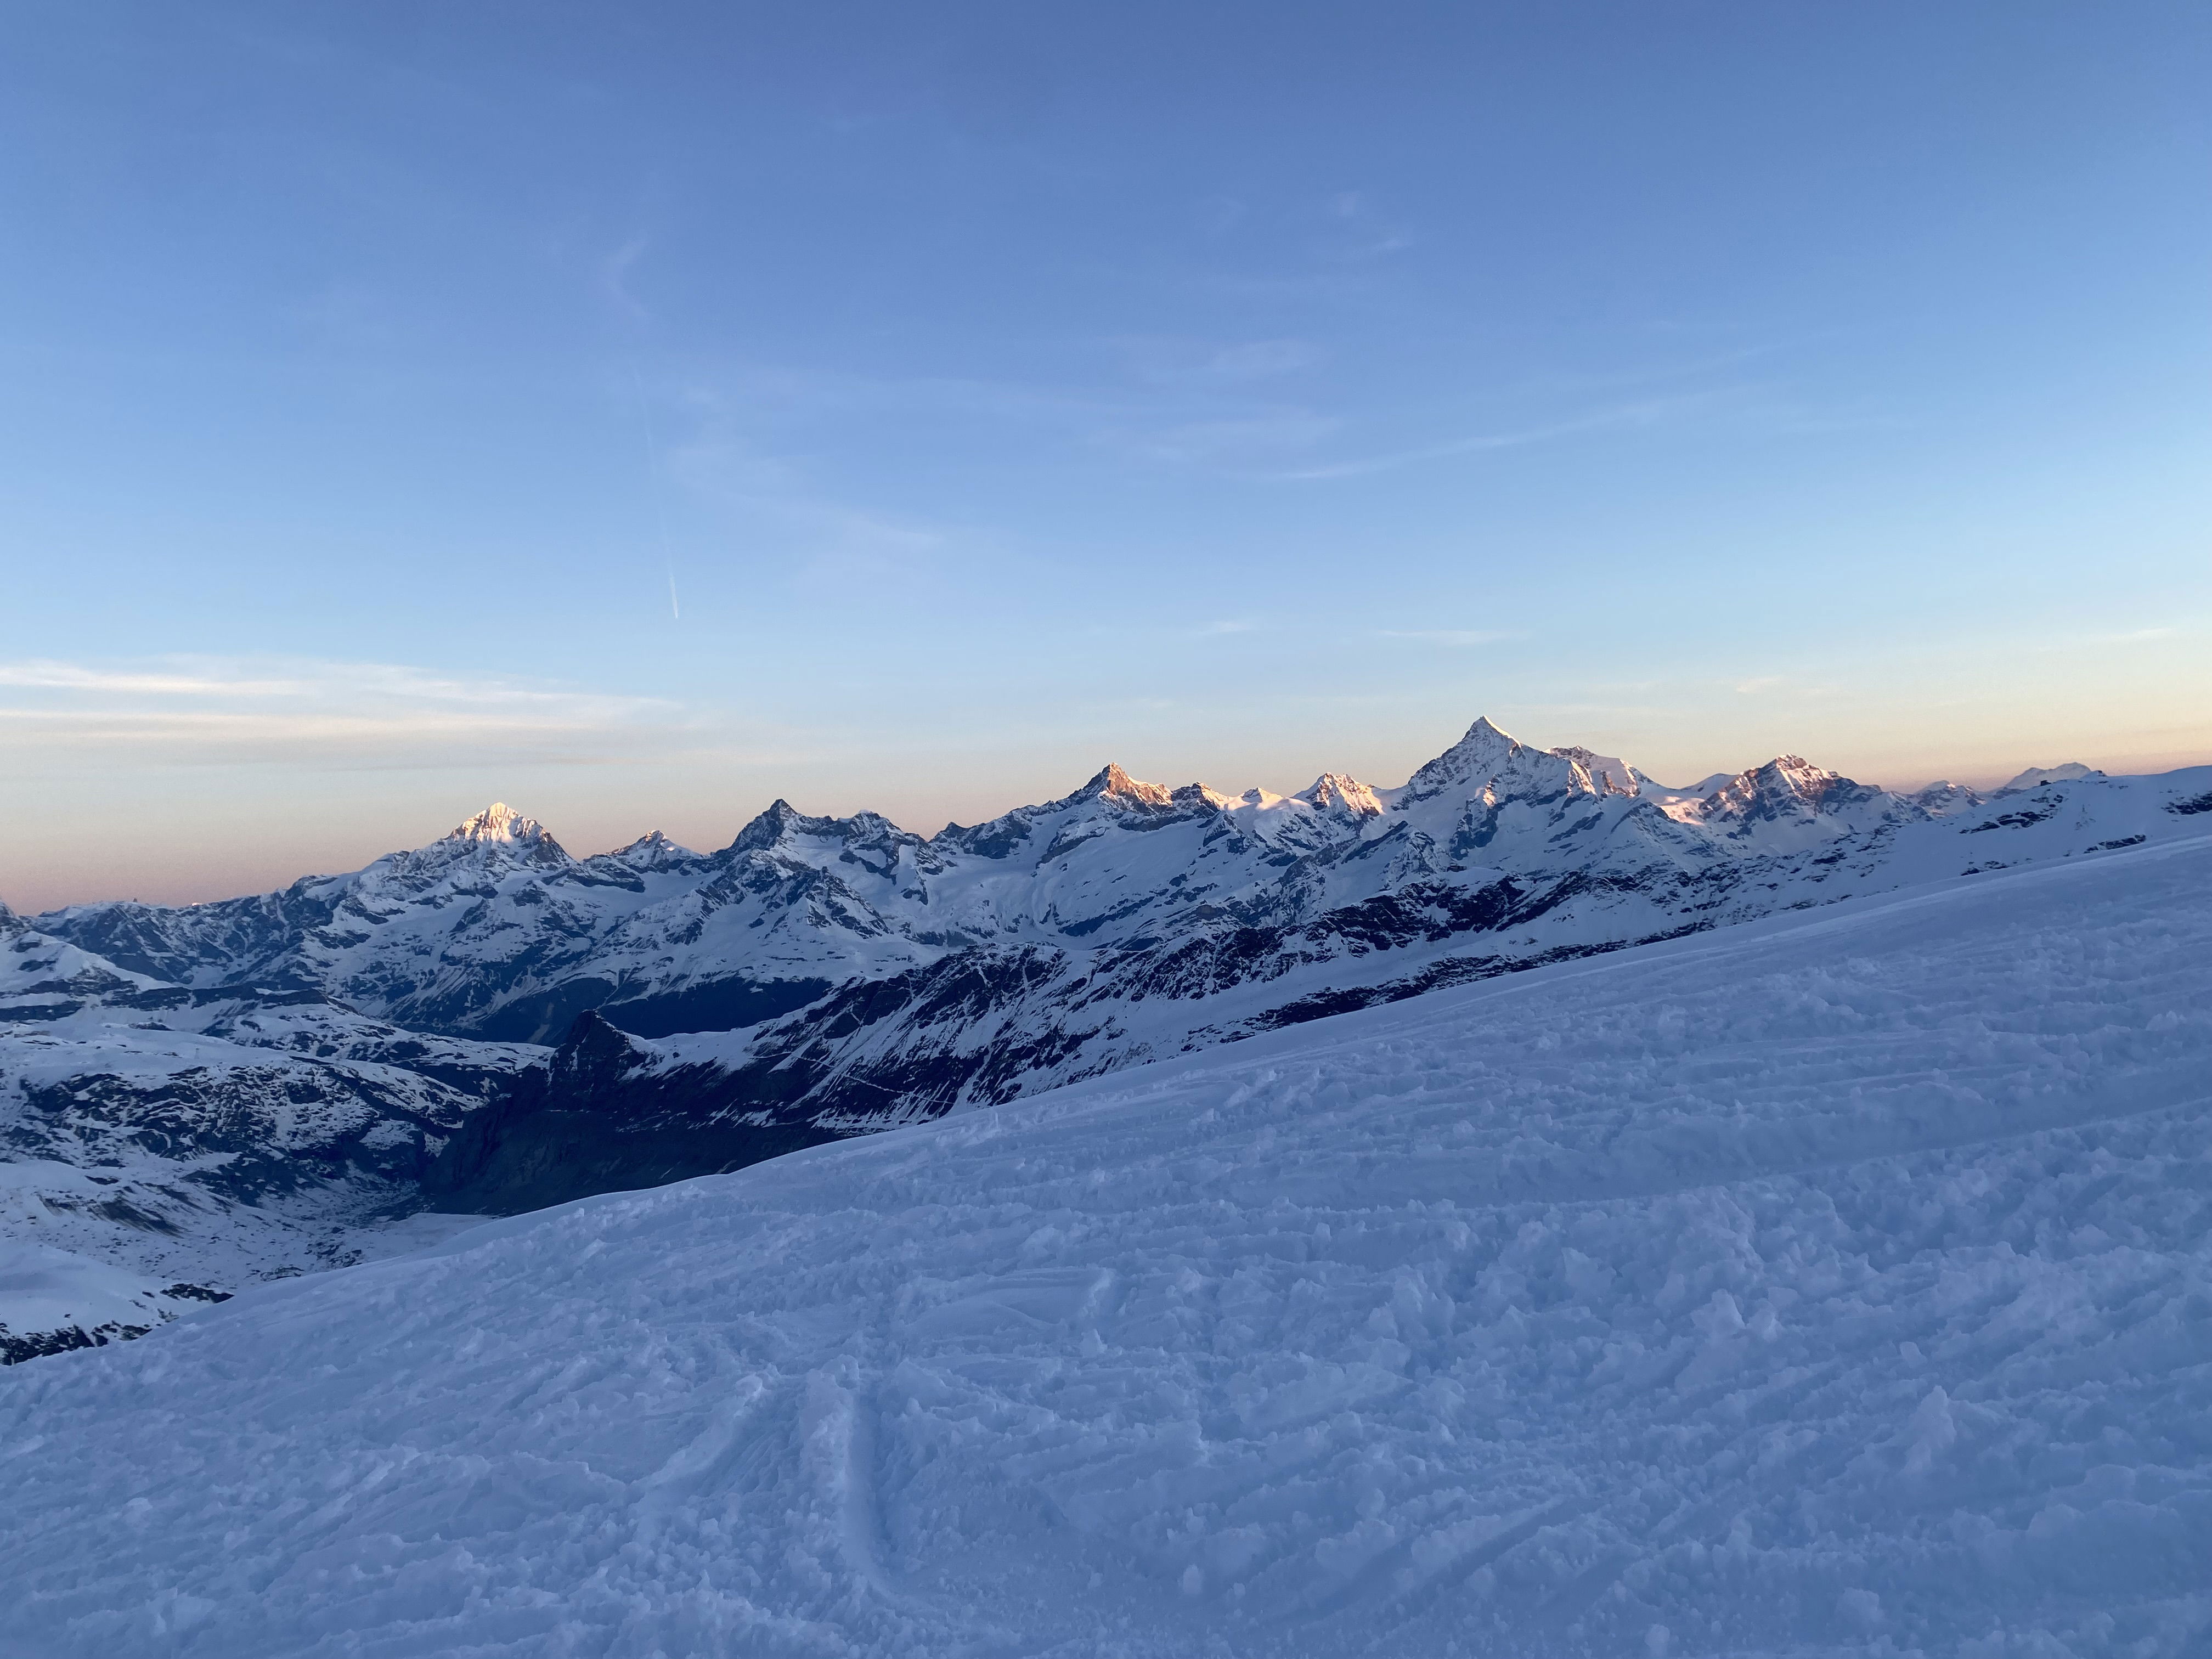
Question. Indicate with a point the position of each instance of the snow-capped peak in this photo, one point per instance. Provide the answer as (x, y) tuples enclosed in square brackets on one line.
[(1112, 780), (1609, 774), (500, 829), (1481, 754), (1485, 738), (499, 823), (769, 826), (1487, 757), (1786, 782), (651, 851), (1332, 790)]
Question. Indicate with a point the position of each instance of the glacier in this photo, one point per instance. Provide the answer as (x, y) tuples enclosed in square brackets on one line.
[(1838, 1282)]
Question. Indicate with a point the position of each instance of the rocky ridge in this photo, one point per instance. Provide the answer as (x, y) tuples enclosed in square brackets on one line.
[(281, 1073)]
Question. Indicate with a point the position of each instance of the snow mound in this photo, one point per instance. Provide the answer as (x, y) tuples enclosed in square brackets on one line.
[(2071, 772), (53, 1300), (1829, 1285)]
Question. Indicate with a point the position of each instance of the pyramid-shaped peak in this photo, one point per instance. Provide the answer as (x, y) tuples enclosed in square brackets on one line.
[(1482, 753), (781, 818), (500, 829), (1483, 737), (499, 823), (1111, 781), (1485, 745)]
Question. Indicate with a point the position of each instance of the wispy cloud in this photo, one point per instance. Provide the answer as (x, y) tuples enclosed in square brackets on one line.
[(1227, 440), (197, 711), (1785, 688), (1202, 365), (1648, 412), (1451, 636), (613, 275), (813, 535), (47, 675), (1371, 238)]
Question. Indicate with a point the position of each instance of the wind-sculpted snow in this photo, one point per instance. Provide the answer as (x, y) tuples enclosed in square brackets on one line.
[(1835, 1283)]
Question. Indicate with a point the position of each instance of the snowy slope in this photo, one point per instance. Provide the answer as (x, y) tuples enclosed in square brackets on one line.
[(53, 1300), (1834, 1284)]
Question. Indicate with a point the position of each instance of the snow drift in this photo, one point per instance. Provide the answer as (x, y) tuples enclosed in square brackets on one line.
[(1831, 1284)]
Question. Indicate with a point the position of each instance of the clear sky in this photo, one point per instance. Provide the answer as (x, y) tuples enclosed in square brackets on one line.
[(1234, 390)]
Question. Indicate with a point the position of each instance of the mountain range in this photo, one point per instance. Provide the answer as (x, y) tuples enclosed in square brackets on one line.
[(191, 1097)]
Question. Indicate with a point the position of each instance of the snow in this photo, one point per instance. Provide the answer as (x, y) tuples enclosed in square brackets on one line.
[(1831, 1284), (208, 1144), (45, 1290), (1608, 773), (871, 975), (2069, 773), (500, 822)]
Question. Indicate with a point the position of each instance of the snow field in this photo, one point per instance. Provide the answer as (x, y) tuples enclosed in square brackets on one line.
[(1819, 1286), (44, 1290)]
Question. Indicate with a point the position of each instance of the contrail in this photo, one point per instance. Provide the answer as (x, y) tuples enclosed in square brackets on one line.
[(653, 481)]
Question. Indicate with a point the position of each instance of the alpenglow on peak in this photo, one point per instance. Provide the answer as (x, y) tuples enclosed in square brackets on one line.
[(498, 823)]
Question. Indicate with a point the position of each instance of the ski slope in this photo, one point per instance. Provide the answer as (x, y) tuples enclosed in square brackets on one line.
[(1838, 1283)]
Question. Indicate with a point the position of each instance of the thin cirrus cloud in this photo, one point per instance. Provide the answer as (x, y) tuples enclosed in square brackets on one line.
[(184, 711), (1451, 636), (46, 675), (1646, 413), (1180, 364), (1230, 440)]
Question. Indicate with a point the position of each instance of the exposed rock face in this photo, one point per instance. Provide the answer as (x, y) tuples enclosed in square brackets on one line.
[(597, 1119)]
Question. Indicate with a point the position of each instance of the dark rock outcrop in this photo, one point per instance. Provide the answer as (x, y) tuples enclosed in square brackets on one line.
[(596, 1119)]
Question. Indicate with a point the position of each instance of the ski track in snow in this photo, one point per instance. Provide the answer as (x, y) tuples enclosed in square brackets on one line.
[(1830, 1285)]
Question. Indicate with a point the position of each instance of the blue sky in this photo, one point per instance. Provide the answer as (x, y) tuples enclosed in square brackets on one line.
[(1234, 392)]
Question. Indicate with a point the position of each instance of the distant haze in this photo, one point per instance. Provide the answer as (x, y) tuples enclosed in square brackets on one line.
[(637, 413)]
